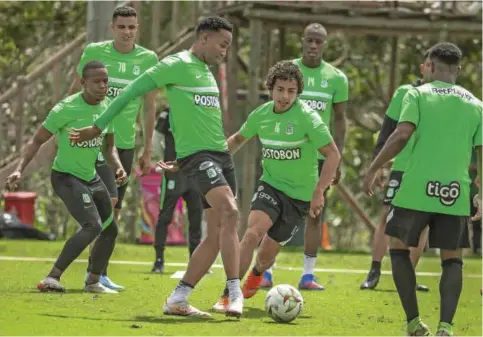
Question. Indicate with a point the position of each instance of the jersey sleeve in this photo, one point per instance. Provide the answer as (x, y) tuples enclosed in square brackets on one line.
[(249, 128), (86, 57), (410, 108), (152, 60), (342, 89), (56, 119), (110, 128), (167, 71), (317, 131), (395, 105)]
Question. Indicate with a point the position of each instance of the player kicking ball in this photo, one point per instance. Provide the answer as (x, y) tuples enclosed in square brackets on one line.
[(292, 134), (74, 177)]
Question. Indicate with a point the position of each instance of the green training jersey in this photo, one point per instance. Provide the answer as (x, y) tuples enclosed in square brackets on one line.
[(290, 141), (394, 112), (193, 97), (448, 125), (122, 69), (323, 86), (73, 112)]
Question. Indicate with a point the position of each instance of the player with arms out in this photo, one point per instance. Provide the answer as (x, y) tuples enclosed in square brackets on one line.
[(291, 134), (74, 177), (326, 90), (380, 240), (202, 153), (125, 61), (444, 119)]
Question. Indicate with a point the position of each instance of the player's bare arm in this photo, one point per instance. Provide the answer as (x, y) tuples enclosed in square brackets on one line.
[(328, 173), (395, 144), (477, 198), (149, 121), (113, 159), (339, 132), (41, 136), (235, 142)]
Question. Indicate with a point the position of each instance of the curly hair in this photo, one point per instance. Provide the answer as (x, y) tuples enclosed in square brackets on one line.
[(445, 52), (285, 71), (124, 11), (213, 24)]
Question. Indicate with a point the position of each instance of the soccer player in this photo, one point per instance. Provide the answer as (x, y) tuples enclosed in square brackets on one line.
[(174, 186), (125, 61), (74, 177), (326, 90), (444, 118), (381, 240), (202, 152), (291, 134)]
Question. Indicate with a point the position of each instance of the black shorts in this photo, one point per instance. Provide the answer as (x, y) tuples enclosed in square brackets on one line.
[(108, 176), (445, 231), (395, 179), (287, 214), (87, 202), (206, 170)]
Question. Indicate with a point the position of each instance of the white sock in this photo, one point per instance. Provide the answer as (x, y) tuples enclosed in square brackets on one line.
[(234, 288), (180, 293), (269, 270), (309, 264)]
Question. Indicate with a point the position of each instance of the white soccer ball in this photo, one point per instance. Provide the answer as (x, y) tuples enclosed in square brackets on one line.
[(283, 303)]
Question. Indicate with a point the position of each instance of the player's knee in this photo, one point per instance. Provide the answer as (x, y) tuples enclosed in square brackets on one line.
[(94, 228), (252, 236), (114, 201), (229, 213), (314, 222)]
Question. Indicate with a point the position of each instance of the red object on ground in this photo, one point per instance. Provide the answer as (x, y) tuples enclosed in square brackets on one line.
[(21, 204)]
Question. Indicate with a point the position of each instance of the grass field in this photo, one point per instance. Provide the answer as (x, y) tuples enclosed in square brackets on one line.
[(342, 309)]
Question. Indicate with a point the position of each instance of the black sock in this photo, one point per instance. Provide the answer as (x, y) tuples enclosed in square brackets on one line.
[(450, 288), (376, 266), (89, 264), (226, 292), (256, 272), (182, 283), (104, 273), (405, 280)]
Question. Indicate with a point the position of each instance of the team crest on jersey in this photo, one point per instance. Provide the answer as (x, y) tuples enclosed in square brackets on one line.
[(289, 129), (136, 70), (324, 84)]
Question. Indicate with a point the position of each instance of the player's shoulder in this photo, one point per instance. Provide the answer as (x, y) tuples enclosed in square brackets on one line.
[(97, 46), (142, 52), (68, 104), (402, 90), (262, 109), (331, 70), (181, 57)]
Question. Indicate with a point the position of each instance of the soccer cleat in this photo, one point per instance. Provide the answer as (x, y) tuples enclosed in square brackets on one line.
[(183, 309), (158, 266), (222, 304), (98, 288), (251, 285), (106, 282), (235, 307), (372, 280), (444, 329), (420, 287), (417, 328), (309, 282), (267, 282), (50, 284)]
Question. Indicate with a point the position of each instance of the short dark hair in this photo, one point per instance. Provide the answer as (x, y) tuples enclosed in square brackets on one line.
[(446, 52), (317, 27), (285, 70), (213, 24), (92, 65), (124, 11)]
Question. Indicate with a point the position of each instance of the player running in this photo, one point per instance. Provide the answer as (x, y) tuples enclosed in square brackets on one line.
[(202, 152), (326, 91), (291, 134), (381, 240), (125, 61), (74, 177), (444, 119)]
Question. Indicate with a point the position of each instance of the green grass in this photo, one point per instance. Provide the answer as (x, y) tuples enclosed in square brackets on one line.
[(342, 309)]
